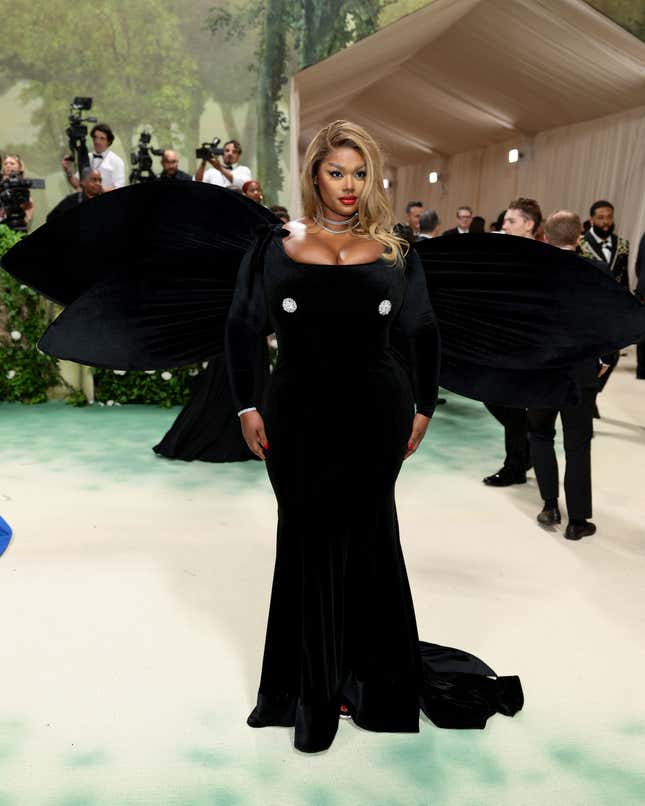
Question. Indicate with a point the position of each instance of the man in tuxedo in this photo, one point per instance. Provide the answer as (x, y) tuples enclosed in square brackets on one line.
[(601, 245), (464, 220), (102, 158), (562, 229), (522, 219)]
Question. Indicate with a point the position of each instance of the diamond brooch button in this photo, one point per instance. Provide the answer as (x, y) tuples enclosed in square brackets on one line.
[(289, 305), (384, 307)]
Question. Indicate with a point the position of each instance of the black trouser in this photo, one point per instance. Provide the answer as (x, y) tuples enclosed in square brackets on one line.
[(640, 359), (577, 428), (515, 436)]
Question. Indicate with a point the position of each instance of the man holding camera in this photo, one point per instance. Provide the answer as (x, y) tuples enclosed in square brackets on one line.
[(226, 172), (170, 168), (102, 159)]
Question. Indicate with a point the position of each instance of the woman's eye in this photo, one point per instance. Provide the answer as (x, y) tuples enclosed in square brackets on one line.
[(335, 174)]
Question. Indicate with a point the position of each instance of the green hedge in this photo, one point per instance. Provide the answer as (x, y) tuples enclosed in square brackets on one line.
[(25, 373), (167, 388)]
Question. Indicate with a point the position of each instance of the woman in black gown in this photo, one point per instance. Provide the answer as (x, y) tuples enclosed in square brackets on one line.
[(335, 423)]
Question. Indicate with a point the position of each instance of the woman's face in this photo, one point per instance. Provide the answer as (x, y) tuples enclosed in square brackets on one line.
[(254, 191), (341, 181), (10, 165)]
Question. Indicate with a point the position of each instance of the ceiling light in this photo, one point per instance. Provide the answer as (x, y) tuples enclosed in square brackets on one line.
[(514, 155), (433, 177)]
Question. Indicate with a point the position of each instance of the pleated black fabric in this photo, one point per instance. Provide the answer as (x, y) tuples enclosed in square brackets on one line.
[(513, 313), (338, 411), (147, 273)]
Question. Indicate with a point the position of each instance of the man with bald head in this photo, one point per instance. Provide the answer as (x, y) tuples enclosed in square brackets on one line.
[(562, 230), (170, 168)]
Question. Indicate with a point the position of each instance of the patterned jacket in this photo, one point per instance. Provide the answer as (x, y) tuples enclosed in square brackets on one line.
[(590, 248)]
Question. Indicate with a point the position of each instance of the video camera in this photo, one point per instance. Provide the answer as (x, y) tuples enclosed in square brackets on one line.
[(14, 193), (77, 132), (209, 150), (142, 160)]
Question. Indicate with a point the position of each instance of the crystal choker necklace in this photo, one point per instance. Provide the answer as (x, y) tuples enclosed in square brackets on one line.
[(347, 225)]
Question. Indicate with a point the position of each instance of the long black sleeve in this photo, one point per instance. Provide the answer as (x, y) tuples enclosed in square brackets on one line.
[(245, 328), (417, 323)]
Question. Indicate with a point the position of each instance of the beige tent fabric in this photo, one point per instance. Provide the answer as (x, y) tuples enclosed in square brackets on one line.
[(573, 166), (567, 167), (456, 84)]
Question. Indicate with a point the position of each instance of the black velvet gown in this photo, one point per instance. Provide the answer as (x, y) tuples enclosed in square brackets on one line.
[(338, 411)]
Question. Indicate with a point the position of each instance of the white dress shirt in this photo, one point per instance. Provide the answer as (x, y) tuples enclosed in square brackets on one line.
[(605, 245), (111, 168), (241, 174)]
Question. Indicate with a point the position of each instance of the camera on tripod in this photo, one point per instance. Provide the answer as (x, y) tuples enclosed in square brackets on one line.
[(77, 131), (209, 150), (14, 194), (141, 159)]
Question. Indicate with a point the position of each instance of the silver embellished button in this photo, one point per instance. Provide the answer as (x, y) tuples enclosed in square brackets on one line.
[(384, 307), (289, 305)]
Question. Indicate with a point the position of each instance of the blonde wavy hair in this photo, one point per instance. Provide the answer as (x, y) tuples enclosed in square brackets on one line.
[(375, 217)]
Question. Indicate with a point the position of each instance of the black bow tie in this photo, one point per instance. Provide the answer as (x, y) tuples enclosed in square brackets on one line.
[(97, 156)]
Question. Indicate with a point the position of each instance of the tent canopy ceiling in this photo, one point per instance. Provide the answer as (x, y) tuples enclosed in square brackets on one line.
[(462, 74)]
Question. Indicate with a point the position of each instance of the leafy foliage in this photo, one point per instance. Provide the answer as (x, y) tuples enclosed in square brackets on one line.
[(165, 389), (25, 373), (310, 29), (132, 59)]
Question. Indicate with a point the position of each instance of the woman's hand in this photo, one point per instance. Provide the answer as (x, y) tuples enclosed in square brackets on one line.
[(419, 428), (254, 433)]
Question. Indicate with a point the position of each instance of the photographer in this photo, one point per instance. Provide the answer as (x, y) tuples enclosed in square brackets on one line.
[(90, 186), (170, 168), (111, 167), (12, 165), (226, 172)]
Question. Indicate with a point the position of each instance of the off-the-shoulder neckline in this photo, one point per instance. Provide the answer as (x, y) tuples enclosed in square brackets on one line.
[(380, 260)]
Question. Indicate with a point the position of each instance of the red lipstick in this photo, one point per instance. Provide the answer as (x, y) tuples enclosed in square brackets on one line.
[(348, 200)]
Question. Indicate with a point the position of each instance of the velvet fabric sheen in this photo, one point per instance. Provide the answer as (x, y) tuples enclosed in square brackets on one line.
[(338, 411)]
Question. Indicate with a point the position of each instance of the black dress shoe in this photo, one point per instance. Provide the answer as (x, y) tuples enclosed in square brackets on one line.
[(575, 531), (504, 478), (549, 516), (441, 401)]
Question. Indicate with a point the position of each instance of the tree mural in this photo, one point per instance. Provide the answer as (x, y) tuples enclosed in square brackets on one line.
[(294, 34), (131, 58)]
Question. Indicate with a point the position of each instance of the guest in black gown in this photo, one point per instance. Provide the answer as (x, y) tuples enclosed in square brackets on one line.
[(336, 418), (335, 423)]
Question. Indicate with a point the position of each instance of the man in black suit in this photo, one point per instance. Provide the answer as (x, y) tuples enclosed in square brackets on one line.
[(640, 293), (91, 186), (601, 245), (464, 219), (562, 229), (410, 229), (170, 168), (522, 219)]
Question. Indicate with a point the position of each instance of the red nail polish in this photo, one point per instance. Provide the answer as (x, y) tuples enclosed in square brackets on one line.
[(410, 446), (266, 446)]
